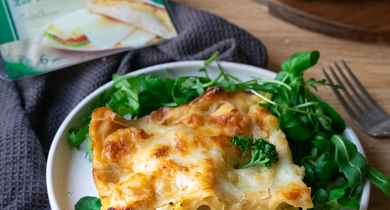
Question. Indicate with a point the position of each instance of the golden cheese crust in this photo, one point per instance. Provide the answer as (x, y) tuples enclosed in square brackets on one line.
[(182, 158)]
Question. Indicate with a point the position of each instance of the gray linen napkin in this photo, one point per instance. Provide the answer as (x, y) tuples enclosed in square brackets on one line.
[(32, 109)]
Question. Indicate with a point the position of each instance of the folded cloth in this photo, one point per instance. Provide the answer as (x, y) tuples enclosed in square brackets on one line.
[(32, 109)]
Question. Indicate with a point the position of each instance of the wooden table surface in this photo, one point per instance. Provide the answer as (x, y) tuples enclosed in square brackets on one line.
[(369, 62)]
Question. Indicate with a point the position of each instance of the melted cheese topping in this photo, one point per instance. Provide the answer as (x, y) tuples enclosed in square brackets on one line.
[(182, 158)]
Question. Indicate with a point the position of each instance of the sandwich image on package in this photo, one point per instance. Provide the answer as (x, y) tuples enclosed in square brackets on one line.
[(110, 24)]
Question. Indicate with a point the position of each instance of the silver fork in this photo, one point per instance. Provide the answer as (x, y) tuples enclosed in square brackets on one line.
[(364, 111)]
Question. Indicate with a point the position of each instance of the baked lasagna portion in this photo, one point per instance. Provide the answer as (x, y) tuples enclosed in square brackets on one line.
[(183, 159)]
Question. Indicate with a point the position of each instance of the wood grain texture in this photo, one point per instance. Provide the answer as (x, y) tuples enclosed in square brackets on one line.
[(369, 62), (360, 20)]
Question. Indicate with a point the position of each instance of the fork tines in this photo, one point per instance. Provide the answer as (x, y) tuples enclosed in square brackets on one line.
[(356, 100)]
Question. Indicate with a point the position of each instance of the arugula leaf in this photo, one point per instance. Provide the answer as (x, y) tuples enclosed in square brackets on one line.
[(154, 93), (263, 152), (88, 203), (379, 179), (199, 87), (228, 85), (124, 100), (350, 161), (158, 87), (77, 136), (182, 95)]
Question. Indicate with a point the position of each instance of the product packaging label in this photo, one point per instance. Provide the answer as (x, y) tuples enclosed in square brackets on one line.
[(37, 36)]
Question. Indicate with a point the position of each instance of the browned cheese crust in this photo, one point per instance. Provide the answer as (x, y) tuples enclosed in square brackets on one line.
[(182, 158)]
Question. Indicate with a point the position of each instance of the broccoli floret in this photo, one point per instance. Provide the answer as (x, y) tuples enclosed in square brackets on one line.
[(262, 152)]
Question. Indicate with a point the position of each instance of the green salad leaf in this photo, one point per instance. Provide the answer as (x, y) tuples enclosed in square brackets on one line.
[(294, 127), (300, 62), (320, 199), (124, 100), (338, 124), (379, 179), (182, 94), (350, 161), (88, 203), (77, 137), (350, 203), (300, 113), (335, 194), (321, 141)]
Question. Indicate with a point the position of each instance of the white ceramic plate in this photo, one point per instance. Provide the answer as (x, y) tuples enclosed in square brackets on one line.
[(69, 173)]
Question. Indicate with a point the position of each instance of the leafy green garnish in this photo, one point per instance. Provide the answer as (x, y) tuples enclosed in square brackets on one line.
[(335, 194), (124, 97), (299, 62), (350, 161), (320, 199), (379, 179), (88, 203), (299, 111), (350, 203), (77, 137), (338, 124), (262, 152)]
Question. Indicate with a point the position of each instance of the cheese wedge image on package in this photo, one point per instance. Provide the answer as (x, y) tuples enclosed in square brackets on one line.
[(38, 36)]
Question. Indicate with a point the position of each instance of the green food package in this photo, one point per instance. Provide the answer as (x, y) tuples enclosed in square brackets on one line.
[(38, 36)]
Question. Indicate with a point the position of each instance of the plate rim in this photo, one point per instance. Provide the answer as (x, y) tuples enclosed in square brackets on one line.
[(160, 67)]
